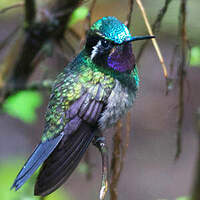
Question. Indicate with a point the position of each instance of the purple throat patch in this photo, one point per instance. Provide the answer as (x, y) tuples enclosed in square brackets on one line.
[(121, 58)]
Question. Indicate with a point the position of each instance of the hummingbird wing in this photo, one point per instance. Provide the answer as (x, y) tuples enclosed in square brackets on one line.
[(40, 154), (79, 133), (76, 102)]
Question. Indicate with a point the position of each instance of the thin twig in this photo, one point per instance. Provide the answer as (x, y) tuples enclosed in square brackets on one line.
[(17, 5), (127, 136), (181, 74), (128, 116), (155, 27), (124, 145), (9, 37), (174, 52), (157, 24), (171, 69), (87, 23), (115, 162), (195, 194), (40, 85), (128, 21), (153, 40), (88, 18), (87, 159), (37, 85)]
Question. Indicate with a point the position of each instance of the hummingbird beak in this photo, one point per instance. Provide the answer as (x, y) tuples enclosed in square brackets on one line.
[(134, 38)]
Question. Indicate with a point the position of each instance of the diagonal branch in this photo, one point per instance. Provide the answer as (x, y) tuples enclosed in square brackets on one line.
[(17, 5), (155, 27), (18, 68), (90, 13), (154, 41), (87, 23), (181, 74), (128, 21)]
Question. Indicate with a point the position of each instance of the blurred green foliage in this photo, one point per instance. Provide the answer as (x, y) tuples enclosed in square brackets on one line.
[(83, 168), (195, 56), (23, 105), (183, 198), (8, 171), (79, 14), (6, 3)]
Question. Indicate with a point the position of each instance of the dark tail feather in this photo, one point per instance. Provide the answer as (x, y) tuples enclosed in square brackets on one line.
[(42, 151), (62, 162)]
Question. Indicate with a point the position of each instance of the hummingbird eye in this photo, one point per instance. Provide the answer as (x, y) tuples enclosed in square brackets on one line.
[(105, 43)]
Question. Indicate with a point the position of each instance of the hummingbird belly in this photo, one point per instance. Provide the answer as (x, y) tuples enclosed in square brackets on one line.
[(119, 102)]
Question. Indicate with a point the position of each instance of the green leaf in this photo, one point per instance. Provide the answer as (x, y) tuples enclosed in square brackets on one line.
[(58, 195), (8, 172), (79, 14), (195, 56), (23, 104)]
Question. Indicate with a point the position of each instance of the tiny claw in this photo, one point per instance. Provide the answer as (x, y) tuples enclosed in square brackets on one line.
[(100, 143), (103, 190)]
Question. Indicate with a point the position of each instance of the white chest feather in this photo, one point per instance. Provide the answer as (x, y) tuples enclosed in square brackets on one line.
[(119, 102)]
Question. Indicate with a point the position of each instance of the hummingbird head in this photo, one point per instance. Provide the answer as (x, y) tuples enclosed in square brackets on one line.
[(109, 44)]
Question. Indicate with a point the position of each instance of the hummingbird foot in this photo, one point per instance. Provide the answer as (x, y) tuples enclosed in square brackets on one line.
[(100, 143)]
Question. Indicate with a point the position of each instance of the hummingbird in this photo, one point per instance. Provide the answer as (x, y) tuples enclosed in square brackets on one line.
[(92, 93)]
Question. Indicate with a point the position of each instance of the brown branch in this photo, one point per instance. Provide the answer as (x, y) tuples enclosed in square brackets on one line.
[(126, 142), (87, 159), (128, 116), (195, 194), (124, 145), (10, 60), (155, 27), (37, 85), (181, 74), (100, 143), (128, 21), (171, 66), (30, 12), (87, 23), (9, 37), (154, 41), (17, 5), (115, 162), (88, 18), (120, 148), (19, 67), (170, 80)]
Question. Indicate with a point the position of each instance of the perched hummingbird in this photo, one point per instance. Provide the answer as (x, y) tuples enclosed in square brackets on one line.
[(92, 94)]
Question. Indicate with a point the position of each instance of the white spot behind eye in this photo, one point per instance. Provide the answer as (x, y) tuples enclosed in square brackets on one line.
[(95, 49)]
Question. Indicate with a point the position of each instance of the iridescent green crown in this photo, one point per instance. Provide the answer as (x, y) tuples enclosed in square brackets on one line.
[(111, 29)]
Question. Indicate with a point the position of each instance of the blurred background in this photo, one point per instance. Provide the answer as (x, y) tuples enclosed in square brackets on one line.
[(150, 171)]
